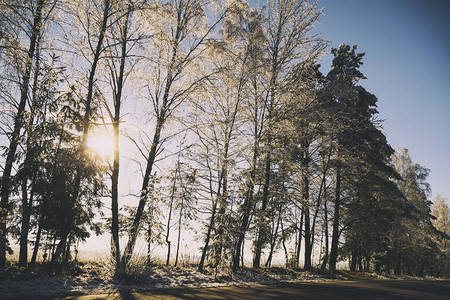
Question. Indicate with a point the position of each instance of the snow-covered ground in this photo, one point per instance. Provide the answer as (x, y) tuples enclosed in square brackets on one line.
[(93, 280)]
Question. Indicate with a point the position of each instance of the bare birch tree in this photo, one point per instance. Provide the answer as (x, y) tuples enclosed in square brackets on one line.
[(180, 35)]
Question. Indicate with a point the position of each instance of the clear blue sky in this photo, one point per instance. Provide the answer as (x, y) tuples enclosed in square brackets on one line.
[(407, 63)]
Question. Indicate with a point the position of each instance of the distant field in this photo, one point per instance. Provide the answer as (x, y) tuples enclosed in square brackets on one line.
[(83, 255)]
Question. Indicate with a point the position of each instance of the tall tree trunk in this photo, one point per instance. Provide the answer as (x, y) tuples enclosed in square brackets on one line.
[(322, 189), (53, 245), (359, 261), (262, 232), (353, 260), (242, 255), (57, 250), (249, 201), (67, 251), (26, 214), (149, 236), (274, 240), (325, 258), (23, 253), (308, 244), (14, 142), (208, 237), (299, 240), (179, 233), (115, 245), (217, 202), (221, 217), (221, 197), (60, 247), (306, 204), (27, 166), (270, 98), (335, 237), (36, 246), (242, 230), (247, 207), (283, 242), (169, 218), (144, 193), (172, 197), (160, 120)]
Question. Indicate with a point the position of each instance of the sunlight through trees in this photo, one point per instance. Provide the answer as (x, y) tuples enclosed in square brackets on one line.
[(208, 119)]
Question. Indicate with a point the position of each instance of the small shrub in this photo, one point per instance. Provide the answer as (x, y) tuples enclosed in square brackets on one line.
[(137, 271)]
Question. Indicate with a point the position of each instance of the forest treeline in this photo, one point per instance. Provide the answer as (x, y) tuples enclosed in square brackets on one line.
[(241, 139)]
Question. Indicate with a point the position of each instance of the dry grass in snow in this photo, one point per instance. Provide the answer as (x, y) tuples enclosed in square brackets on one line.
[(95, 278)]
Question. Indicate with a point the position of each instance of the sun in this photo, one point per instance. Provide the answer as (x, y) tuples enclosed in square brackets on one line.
[(101, 144)]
